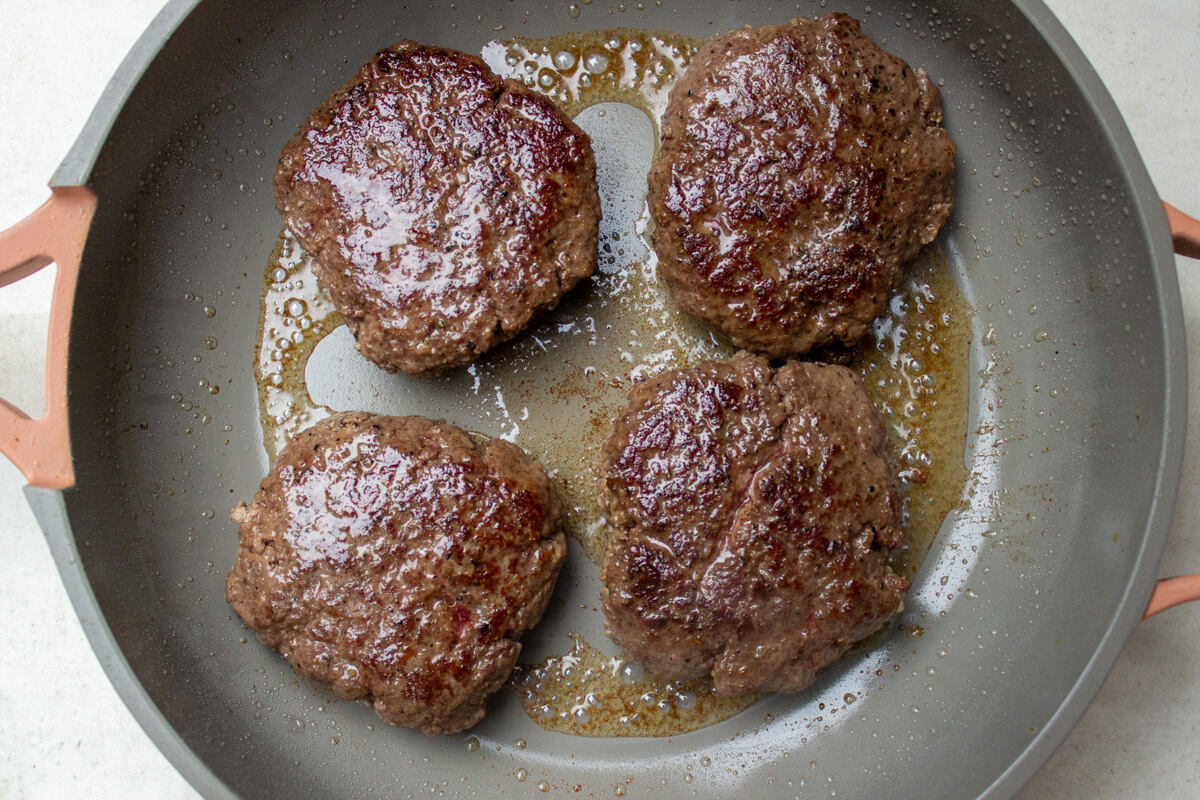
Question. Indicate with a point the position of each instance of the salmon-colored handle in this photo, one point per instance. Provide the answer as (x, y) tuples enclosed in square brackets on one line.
[(55, 233), (1185, 231), (1170, 592)]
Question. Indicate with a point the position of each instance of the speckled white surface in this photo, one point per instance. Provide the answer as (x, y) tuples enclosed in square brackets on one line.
[(72, 737)]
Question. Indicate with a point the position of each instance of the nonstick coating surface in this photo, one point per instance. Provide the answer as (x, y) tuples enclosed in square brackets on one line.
[(1056, 243)]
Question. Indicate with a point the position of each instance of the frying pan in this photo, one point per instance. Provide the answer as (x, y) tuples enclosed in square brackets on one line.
[(1061, 595)]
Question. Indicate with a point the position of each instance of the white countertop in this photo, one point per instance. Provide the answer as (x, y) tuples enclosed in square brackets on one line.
[(74, 737)]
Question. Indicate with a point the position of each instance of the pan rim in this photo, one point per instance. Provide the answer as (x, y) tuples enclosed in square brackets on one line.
[(76, 168), (1136, 592)]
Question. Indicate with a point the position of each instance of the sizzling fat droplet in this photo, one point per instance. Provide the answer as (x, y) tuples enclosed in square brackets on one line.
[(595, 63)]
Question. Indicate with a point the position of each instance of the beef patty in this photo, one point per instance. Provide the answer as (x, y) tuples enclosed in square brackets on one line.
[(750, 515), (801, 167), (444, 206), (399, 560)]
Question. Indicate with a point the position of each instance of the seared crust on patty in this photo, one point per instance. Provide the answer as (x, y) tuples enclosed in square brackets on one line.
[(399, 560), (445, 207), (801, 167), (750, 513)]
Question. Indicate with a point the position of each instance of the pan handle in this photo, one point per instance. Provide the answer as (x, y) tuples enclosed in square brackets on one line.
[(1185, 231), (1170, 592), (55, 233)]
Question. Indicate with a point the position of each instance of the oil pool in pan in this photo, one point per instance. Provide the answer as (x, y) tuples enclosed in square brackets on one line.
[(576, 364)]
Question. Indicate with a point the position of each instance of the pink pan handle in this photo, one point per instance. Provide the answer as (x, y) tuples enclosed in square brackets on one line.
[(1168, 592), (1185, 231), (55, 233)]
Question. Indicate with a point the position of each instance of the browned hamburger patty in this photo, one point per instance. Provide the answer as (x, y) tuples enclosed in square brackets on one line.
[(399, 560), (750, 515), (801, 167), (444, 206)]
